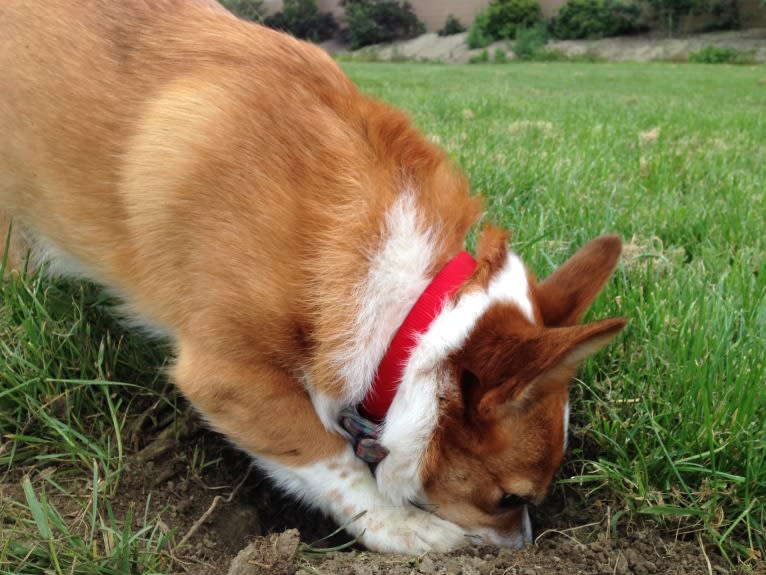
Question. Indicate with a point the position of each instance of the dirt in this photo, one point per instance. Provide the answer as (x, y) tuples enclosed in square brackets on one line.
[(642, 48), (227, 519), (231, 521)]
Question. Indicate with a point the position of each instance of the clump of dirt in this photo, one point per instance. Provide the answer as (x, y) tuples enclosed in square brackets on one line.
[(229, 520), (273, 555)]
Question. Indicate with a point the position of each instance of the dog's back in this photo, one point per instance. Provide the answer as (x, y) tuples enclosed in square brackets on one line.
[(153, 127)]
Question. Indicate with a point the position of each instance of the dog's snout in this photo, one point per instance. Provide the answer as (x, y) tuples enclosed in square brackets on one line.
[(526, 527), (520, 536)]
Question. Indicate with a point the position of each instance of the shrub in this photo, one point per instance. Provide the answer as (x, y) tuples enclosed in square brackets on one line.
[(624, 18), (578, 19), (504, 17), (377, 21), (530, 42), (481, 58), (720, 55), (451, 26), (478, 37), (725, 15), (246, 9), (302, 19), (670, 12)]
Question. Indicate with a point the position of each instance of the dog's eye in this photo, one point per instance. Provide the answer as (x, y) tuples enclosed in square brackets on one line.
[(510, 501)]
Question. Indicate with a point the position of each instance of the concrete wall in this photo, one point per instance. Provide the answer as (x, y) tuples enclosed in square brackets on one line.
[(434, 13)]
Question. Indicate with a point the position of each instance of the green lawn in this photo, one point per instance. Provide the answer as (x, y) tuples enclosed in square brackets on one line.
[(669, 423)]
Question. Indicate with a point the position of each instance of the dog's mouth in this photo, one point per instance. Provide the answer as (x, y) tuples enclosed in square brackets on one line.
[(523, 537), (487, 535)]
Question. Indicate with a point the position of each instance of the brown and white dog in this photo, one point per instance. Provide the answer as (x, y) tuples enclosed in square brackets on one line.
[(301, 246)]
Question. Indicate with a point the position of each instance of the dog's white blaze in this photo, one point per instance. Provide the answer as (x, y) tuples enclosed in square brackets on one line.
[(566, 425), (396, 278), (511, 285), (413, 414)]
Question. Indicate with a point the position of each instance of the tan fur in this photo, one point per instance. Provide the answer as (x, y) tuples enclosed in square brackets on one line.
[(231, 183), (188, 160)]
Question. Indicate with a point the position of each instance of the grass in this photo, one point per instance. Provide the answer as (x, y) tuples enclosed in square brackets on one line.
[(675, 412), (67, 387), (671, 419)]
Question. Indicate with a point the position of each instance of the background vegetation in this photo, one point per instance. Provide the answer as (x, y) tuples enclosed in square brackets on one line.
[(377, 21), (368, 22), (668, 424)]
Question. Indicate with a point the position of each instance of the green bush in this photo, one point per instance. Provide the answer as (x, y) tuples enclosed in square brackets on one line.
[(530, 42), (720, 55), (478, 37), (504, 17), (724, 15), (482, 58), (246, 9), (302, 19), (451, 26), (624, 18), (670, 12), (377, 21), (578, 19)]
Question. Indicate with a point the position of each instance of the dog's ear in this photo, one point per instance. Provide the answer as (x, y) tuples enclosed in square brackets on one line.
[(550, 358), (567, 293), (491, 253), (492, 246)]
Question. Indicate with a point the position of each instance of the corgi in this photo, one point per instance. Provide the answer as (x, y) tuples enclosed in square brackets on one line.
[(302, 247)]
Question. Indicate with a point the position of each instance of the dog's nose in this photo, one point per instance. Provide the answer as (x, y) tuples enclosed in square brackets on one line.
[(526, 526), (521, 536)]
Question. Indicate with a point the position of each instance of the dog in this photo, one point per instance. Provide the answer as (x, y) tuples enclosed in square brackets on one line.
[(302, 247)]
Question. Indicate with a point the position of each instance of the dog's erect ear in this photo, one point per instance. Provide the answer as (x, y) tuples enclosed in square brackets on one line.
[(550, 359), (567, 293), (492, 246), (491, 253)]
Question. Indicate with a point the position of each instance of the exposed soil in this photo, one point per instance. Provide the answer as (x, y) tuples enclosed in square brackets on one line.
[(227, 519), (643, 48), (235, 523)]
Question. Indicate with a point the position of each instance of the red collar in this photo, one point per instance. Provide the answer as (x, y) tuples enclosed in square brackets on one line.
[(391, 369)]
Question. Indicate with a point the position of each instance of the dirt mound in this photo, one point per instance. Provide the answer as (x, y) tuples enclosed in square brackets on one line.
[(229, 520), (454, 49)]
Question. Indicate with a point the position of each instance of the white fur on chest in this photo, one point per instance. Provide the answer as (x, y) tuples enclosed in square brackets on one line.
[(397, 277)]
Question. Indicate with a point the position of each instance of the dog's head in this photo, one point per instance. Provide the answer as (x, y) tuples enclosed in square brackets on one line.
[(499, 426)]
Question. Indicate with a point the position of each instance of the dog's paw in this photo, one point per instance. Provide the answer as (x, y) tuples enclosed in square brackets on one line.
[(408, 531)]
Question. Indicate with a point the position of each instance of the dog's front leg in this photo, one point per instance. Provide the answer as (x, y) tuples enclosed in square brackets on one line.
[(270, 415), (344, 488)]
